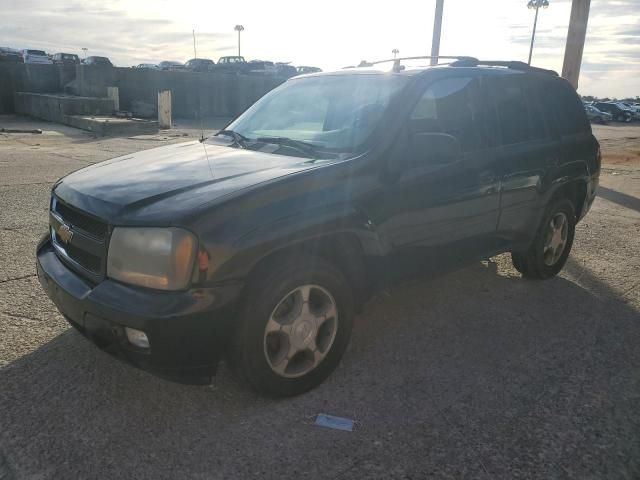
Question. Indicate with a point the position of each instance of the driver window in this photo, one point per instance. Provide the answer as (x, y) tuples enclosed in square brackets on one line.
[(452, 106)]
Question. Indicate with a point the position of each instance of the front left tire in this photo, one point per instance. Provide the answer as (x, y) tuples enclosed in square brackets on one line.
[(294, 326)]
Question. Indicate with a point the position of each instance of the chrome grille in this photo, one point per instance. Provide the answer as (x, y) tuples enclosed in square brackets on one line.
[(79, 239)]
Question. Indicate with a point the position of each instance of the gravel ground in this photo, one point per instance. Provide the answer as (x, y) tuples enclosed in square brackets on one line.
[(473, 374)]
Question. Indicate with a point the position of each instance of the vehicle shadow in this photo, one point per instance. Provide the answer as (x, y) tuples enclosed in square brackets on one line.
[(417, 350), (620, 198)]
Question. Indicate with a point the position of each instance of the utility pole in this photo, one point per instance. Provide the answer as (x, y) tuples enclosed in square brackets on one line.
[(437, 29), (575, 41), (195, 53), (238, 28)]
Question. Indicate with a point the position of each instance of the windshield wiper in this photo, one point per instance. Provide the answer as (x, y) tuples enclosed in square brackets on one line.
[(238, 138), (308, 149)]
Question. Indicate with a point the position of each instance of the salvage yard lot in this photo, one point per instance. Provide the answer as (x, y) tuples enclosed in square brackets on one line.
[(476, 373)]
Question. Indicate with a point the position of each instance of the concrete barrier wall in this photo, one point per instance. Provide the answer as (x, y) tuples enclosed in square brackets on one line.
[(19, 77), (194, 94), (56, 107)]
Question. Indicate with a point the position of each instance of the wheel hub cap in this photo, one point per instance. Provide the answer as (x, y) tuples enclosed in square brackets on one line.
[(300, 331), (555, 239)]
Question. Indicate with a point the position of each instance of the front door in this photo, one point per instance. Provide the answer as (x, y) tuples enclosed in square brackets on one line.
[(453, 207)]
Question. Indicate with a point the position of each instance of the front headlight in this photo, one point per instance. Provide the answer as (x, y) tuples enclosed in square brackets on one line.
[(160, 258)]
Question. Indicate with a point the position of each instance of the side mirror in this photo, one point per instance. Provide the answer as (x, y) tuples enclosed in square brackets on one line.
[(434, 148)]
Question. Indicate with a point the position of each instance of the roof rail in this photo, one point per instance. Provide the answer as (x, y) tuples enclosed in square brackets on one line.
[(511, 64), (397, 67)]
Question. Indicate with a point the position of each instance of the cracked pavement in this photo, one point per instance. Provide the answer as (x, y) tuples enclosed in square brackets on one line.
[(476, 373)]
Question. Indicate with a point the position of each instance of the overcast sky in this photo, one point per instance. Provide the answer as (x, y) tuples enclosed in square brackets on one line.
[(331, 33)]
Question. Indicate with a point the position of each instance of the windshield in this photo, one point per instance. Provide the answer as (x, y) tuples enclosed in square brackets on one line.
[(333, 113), (36, 52)]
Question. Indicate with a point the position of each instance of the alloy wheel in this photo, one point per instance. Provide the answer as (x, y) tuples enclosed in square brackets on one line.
[(555, 238), (300, 331)]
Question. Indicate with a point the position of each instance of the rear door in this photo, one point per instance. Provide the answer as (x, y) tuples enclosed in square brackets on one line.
[(526, 150)]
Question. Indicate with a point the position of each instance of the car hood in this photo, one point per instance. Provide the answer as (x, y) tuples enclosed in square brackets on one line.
[(161, 183)]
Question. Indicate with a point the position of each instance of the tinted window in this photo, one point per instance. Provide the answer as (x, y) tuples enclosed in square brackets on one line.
[(452, 106), (570, 114), (562, 102), (36, 52), (511, 104), (537, 123)]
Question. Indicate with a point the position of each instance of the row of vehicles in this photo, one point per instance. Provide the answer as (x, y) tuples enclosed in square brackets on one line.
[(233, 64), (604, 112), (29, 55), (226, 64)]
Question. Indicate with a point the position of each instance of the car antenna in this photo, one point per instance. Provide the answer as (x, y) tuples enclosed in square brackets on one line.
[(195, 56)]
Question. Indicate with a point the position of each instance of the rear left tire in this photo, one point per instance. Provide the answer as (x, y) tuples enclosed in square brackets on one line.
[(551, 247)]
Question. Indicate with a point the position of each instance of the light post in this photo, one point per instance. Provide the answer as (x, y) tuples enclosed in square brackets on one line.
[(238, 28), (535, 4), (84, 49), (395, 52)]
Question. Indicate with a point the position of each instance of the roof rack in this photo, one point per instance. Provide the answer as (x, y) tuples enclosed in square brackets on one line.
[(397, 67), (464, 61), (511, 64)]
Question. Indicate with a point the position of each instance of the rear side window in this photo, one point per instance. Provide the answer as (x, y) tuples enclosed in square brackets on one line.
[(563, 104), (452, 106)]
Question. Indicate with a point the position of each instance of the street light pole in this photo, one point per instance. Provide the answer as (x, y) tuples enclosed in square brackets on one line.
[(535, 4), (84, 49), (238, 28), (437, 29), (395, 52)]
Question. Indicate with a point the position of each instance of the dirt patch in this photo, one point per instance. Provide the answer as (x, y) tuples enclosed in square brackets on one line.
[(620, 143)]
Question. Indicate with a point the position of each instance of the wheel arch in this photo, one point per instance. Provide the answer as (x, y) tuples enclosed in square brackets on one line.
[(574, 190), (343, 250)]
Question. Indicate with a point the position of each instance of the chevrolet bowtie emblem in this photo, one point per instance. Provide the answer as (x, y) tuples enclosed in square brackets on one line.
[(64, 233)]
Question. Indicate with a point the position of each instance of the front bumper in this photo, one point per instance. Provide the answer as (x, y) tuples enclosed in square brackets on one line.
[(187, 331)]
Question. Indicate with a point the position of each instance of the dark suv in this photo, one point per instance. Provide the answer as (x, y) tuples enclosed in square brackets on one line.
[(261, 242)]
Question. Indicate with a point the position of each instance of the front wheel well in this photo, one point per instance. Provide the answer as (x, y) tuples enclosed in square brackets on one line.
[(342, 250)]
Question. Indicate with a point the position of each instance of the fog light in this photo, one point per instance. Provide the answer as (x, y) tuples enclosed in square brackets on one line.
[(137, 337)]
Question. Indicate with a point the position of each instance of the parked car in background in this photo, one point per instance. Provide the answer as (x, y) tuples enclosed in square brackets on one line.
[(98, 61), (597, 116), (10, 55), (170, 65), (302, 70), (263, 242), (65, 59), (262, 67), (618, 114), (231, 64), (35, 56), (635, 111), (147, 66), (200, 65), (285, 70)]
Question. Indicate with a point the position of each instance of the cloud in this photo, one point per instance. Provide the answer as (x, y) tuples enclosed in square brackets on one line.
[(103, 30)]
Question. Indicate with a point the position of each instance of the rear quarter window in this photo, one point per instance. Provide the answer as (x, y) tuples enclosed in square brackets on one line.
[(563, 106)]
